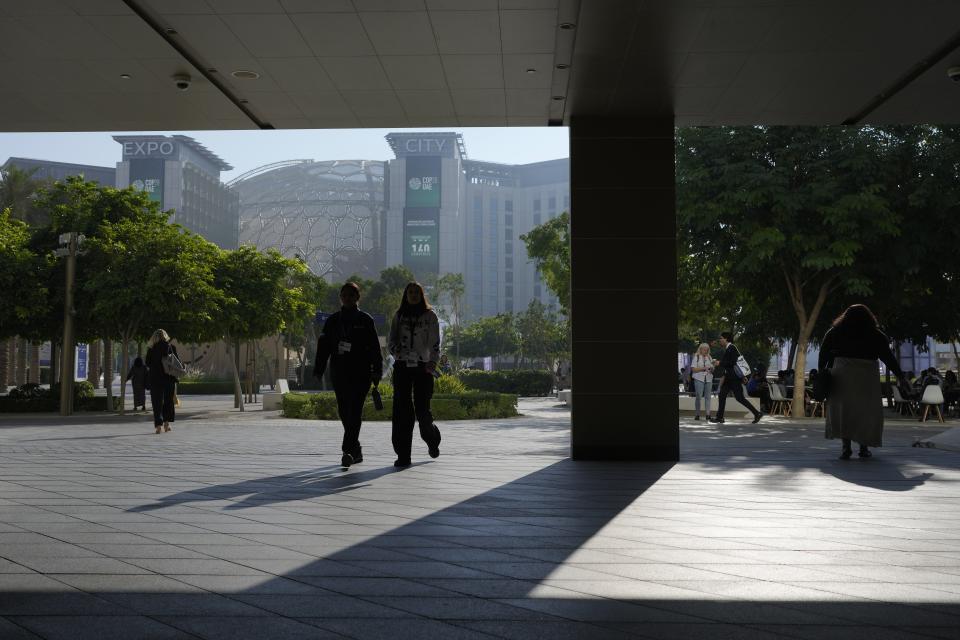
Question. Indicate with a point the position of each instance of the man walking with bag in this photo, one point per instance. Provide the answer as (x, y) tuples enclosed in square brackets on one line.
[(349, 341), (733, 369)]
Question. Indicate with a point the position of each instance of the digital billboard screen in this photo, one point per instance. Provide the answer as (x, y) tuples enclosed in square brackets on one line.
[(147, 175), (423, 181), (421, 236)]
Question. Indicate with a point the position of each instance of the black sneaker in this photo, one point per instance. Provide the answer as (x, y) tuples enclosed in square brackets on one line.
[(716, 420), (346, 461), (845, 454), (357, 458), (401, 463), (698, 417), (434, 451), (756, 417)]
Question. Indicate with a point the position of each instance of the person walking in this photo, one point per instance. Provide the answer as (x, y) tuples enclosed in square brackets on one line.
[(731, 379), (702, 367), (415, 343), (349, 341), (162, 385), (850, 350), (137, 377)]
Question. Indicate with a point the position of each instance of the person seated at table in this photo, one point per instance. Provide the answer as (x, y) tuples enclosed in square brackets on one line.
[(930, 377), (757, 387), (951, 389), (789, 377)]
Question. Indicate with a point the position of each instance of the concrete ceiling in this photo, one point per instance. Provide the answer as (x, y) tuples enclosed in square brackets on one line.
[(443, 63)]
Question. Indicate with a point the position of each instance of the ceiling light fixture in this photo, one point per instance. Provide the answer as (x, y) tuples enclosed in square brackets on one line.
[(211, 70), (561, 66), (170, 31), (558, 98), (531, 71), (244, 74), (124, 76), (954, 73), (566, 26)]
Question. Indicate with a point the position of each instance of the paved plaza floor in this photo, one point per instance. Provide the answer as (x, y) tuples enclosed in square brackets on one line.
[(241, 526)]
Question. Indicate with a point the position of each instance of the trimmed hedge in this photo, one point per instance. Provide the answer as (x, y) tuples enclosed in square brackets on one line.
[(467, 406), (32, 398), (205, 387), (522, 382)]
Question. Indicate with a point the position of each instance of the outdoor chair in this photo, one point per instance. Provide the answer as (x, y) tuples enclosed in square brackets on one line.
[(814, 405), (901, 405), (932, 396), (780, 403)]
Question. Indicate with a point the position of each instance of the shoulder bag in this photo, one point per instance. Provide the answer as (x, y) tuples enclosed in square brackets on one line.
[(172, 365)]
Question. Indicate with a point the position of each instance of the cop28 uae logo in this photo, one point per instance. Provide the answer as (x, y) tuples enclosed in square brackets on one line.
[(425, 183)]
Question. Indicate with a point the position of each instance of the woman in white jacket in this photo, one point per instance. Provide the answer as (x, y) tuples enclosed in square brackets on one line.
[(415, 343)]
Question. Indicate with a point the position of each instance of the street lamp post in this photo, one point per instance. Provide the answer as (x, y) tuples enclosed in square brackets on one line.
[(69, 245)]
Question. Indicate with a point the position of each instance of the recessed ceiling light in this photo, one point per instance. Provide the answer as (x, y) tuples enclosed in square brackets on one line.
[(559, 98), (563, 66), (125, 76), (531, 71), (245, 74), (243, 101), (171, 31), (566, 26), (211, 70)]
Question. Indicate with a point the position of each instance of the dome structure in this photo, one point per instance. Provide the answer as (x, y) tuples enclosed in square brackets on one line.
[(330, 214)]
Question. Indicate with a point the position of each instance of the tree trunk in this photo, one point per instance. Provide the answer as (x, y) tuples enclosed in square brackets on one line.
[(108, 372), (35, 362), (95, 360), (21, 373), (807, 321), (956, 355), (4, 365), (237, 391), (54, 362)]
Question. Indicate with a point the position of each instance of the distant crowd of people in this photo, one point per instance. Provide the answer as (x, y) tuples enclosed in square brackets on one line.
[(846, 377)]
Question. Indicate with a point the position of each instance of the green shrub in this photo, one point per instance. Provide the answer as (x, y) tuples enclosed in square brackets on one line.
[(449, 384), (32, 398), (205, 387), (465, 406), (521, 382)]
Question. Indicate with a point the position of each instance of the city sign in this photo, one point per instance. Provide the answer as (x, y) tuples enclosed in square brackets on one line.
[(425, 145)]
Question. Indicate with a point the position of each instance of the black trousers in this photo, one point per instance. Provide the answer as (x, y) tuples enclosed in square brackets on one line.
[(417, 380), (161, 397), (737, 389), (351, 394)]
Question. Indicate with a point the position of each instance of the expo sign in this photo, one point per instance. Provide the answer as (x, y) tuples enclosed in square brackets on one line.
[(147, 148)]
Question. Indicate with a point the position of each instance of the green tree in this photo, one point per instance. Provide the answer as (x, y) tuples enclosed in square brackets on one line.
[(450, 289), (257, 298), (787, 212), (22, 278), (543, 336), (17, 191), (146, 274), (549, 247), (495, 336)]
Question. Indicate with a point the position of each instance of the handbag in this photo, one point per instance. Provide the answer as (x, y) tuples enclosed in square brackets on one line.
[(821, 386), (172, 365), (741, 369)]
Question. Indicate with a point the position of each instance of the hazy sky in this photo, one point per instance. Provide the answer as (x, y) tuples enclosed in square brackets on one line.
[(247, 150)]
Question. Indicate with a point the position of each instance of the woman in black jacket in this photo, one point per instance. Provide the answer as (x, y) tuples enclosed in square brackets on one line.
[(849, 352), (162, 385)]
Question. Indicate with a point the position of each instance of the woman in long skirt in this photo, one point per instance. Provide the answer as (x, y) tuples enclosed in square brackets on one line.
[(850, 350)]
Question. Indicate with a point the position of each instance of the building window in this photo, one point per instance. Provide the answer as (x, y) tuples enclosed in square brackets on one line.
[(508, 219), (552, 203), (566, 203), (536, 204), (508, 247), (508, 206), (508, 262), (508, 234), (536, 219), (508, 290), (494, 205), (478, 203)]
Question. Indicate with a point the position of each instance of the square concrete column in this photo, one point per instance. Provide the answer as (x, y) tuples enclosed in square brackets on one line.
[(624, 290)]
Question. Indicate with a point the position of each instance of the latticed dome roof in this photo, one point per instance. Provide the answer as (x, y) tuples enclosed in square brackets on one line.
[(328, 213)]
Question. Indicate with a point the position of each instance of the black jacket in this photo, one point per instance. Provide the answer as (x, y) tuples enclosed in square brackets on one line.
[(363, 361), (865, 345), (154, 362), (727, 360)]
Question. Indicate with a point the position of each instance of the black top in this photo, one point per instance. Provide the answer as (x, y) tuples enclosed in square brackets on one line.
[(138, 376), (363, 360), (154, 362), (729, 358), (865, 345)]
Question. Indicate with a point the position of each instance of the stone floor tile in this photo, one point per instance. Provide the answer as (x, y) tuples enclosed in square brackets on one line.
[(11, 631), (310, 606), (398, 629), (247, 628), (97, 627)]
